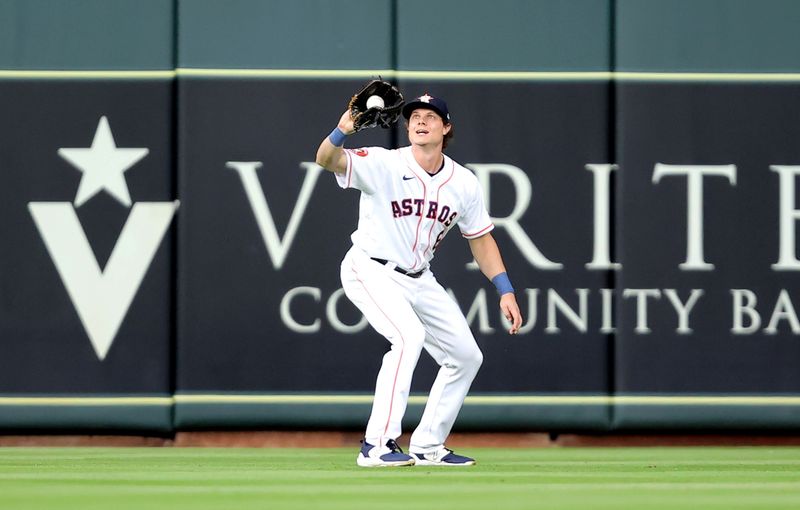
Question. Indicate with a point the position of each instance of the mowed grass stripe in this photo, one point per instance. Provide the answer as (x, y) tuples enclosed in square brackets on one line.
[(245, 478), (591, 478), (56, 491)]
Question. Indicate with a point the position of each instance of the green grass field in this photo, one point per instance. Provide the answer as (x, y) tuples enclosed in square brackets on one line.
[(552, 478)]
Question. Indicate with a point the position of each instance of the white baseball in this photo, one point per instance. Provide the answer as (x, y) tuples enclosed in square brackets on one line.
[(375, 102)]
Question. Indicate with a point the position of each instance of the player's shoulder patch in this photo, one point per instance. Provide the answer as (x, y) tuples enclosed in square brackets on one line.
[(360, 152)]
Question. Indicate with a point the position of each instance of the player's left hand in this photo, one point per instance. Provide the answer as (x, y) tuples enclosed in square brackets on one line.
[(510, 309)]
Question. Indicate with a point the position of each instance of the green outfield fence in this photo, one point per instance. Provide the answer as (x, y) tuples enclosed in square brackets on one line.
[(639, 158)]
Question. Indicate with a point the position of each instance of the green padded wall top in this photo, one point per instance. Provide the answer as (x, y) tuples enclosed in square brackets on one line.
[(409, 35), (285, 34), (86, 34), (708, 36), (504, 35)]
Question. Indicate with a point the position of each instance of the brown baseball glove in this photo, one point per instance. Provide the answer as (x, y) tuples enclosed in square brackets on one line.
[(369, 117)]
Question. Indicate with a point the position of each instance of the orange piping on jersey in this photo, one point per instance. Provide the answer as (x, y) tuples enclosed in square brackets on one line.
[(402, 349), (419, 223), (479, 232), (430, 232)]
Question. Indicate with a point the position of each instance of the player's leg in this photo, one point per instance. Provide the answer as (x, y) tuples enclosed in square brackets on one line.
[(384, 302), (453, 346)]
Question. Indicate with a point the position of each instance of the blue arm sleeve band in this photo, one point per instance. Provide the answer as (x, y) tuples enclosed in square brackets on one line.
[(337, 137), (502, 283)]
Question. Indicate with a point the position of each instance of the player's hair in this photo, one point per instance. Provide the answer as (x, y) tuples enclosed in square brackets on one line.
[(449, 136)]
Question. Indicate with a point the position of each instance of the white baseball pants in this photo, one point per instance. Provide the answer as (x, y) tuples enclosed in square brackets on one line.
[(412, 313)]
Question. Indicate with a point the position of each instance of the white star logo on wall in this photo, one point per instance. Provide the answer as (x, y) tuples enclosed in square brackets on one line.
[(103, 166), (102, 296)]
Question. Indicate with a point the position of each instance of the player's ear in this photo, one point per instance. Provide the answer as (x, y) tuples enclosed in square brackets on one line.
[(447, 128)]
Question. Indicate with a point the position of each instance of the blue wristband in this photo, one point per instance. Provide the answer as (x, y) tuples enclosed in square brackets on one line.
[(337, 137), (503, 284)]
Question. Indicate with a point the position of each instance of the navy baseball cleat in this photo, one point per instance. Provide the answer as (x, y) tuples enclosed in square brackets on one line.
[(387, 456), (442, 457)]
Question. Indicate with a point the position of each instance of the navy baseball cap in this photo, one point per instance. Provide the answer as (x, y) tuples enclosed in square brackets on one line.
[(431, 103)]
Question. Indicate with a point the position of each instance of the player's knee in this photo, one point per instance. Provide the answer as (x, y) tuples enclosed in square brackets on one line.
[(472, 359), (415, 336), (477, 358)]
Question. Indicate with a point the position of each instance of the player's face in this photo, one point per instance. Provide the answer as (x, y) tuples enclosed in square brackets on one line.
[(426, 127)]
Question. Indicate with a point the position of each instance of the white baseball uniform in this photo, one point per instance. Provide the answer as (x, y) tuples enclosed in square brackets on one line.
[(404, 213)]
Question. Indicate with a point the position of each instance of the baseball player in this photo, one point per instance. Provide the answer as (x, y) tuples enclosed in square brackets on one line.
[(410, 198)]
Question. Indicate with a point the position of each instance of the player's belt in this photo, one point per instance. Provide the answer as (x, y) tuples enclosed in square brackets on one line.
[(400, 269)]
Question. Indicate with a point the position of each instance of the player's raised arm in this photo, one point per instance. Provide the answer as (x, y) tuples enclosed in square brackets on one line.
[(379, 103), (487, 255), (330, 154)]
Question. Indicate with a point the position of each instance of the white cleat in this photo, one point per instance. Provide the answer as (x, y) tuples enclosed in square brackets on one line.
[(383, 456), (442, 457)]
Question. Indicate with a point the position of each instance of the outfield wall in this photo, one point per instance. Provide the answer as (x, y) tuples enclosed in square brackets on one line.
[(639, 158)]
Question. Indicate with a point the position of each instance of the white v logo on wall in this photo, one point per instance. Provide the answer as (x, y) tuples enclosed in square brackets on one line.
[(102, 296)]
